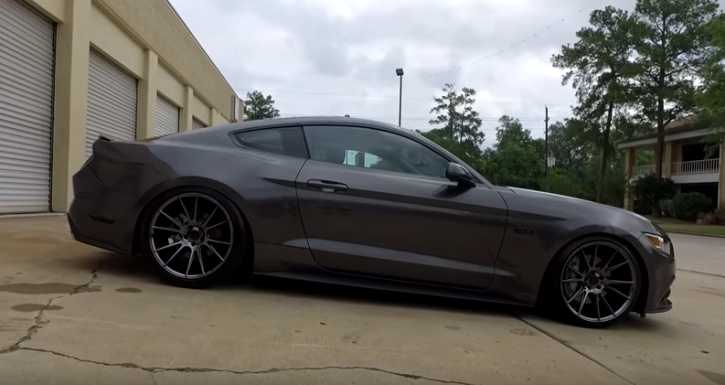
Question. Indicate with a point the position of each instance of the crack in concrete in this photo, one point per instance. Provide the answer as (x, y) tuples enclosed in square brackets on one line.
[(94, 277), (153, 370), (701, 272), (153, 378), (40, 321), (572, 347)]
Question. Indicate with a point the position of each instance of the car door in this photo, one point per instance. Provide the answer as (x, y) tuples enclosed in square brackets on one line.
[(377, 203)]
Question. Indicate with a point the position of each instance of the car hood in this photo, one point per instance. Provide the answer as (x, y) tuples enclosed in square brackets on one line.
[(562, 199), (543, 204)]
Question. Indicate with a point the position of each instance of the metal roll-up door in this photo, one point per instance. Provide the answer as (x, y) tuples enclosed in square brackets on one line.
[(195, 124), (112, 98), (26, 108), (167, 117)]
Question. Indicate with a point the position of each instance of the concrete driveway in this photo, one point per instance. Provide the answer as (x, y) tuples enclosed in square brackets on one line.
[(702, 254), (73, 314)]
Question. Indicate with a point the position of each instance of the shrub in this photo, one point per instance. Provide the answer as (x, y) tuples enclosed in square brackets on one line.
[(688, 205), (650, 190), (664, 206), (720, 216), (706, 219)]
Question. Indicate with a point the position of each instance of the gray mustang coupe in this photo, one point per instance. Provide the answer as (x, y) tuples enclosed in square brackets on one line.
[(356, 202)]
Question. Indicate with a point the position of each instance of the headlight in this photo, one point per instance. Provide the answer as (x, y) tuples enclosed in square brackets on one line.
[(660, 243)]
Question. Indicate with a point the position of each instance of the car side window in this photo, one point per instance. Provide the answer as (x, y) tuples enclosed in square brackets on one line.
[(279, 140), (373, 149)]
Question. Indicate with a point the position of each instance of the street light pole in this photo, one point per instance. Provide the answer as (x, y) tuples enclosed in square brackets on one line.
[(399, 72)]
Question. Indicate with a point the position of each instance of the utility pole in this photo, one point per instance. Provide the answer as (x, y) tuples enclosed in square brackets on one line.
[(400, 103), (399, 72), (546, 142)]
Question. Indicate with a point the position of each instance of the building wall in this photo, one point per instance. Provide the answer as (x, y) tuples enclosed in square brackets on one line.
[(147, 39), (165, 33)]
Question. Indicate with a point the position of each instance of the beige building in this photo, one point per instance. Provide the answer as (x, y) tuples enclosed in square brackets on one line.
[(686, 161), (71, 70)]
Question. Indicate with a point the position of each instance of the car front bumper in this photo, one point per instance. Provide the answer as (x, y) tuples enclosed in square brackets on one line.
[(660, 272)]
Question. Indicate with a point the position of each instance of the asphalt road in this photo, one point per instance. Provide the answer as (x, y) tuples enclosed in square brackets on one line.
[(70, 313)]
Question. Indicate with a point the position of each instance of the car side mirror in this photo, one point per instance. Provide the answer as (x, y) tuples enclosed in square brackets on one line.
[(457, 173)]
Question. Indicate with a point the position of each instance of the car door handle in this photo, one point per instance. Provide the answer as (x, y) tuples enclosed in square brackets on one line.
[(327, 185)]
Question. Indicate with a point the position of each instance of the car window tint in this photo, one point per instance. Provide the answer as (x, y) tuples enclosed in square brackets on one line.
[(284, 140), (373, 149)]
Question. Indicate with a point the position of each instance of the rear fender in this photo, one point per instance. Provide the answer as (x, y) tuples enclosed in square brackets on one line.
[(158, 190)]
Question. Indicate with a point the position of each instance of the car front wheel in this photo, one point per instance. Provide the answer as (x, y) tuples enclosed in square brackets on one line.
[(596, 282)]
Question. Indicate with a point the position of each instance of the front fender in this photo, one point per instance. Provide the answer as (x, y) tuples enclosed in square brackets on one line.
[(525, 256)]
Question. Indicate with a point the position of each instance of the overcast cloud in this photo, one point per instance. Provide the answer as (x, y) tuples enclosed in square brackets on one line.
[(337, 57)]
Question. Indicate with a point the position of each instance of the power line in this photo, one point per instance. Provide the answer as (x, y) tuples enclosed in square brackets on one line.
[(503, 50), (269, 92)]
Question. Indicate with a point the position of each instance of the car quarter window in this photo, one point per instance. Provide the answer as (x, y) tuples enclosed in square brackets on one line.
[(280, 140), (373, 149)]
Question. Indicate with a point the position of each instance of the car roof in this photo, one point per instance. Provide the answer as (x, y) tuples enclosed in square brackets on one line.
[(309, 120)]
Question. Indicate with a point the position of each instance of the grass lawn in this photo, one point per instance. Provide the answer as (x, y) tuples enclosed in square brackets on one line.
[(677, 226)]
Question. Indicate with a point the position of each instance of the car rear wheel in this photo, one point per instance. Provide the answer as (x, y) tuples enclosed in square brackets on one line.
[(194, 237), (596, 283)]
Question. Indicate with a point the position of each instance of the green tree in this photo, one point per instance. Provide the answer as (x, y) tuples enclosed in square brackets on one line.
[(672, 45), (560, 181), (598, 67), (711, 99), (516, 159), (257, 106), (467, 151), (570, 145), (578, 162), (454, 111)]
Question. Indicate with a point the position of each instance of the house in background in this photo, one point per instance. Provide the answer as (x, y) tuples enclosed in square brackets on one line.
[(685, 161)]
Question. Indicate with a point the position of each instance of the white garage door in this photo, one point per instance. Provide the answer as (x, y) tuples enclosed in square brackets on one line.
[(111, 102), (26, 108), (167, 117), (195, 124)]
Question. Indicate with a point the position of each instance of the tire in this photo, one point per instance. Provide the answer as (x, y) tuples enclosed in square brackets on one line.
[(608, 285), (219, 247)]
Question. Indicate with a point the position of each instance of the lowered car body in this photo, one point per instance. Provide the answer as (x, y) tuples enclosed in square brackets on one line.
[(358, 202)]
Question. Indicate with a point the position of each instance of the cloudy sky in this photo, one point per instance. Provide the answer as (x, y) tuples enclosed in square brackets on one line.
[(336, 57)]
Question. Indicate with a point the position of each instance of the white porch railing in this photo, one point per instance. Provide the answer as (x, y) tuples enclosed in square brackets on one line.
[(679, 168), (638, 171), (696, 166)]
